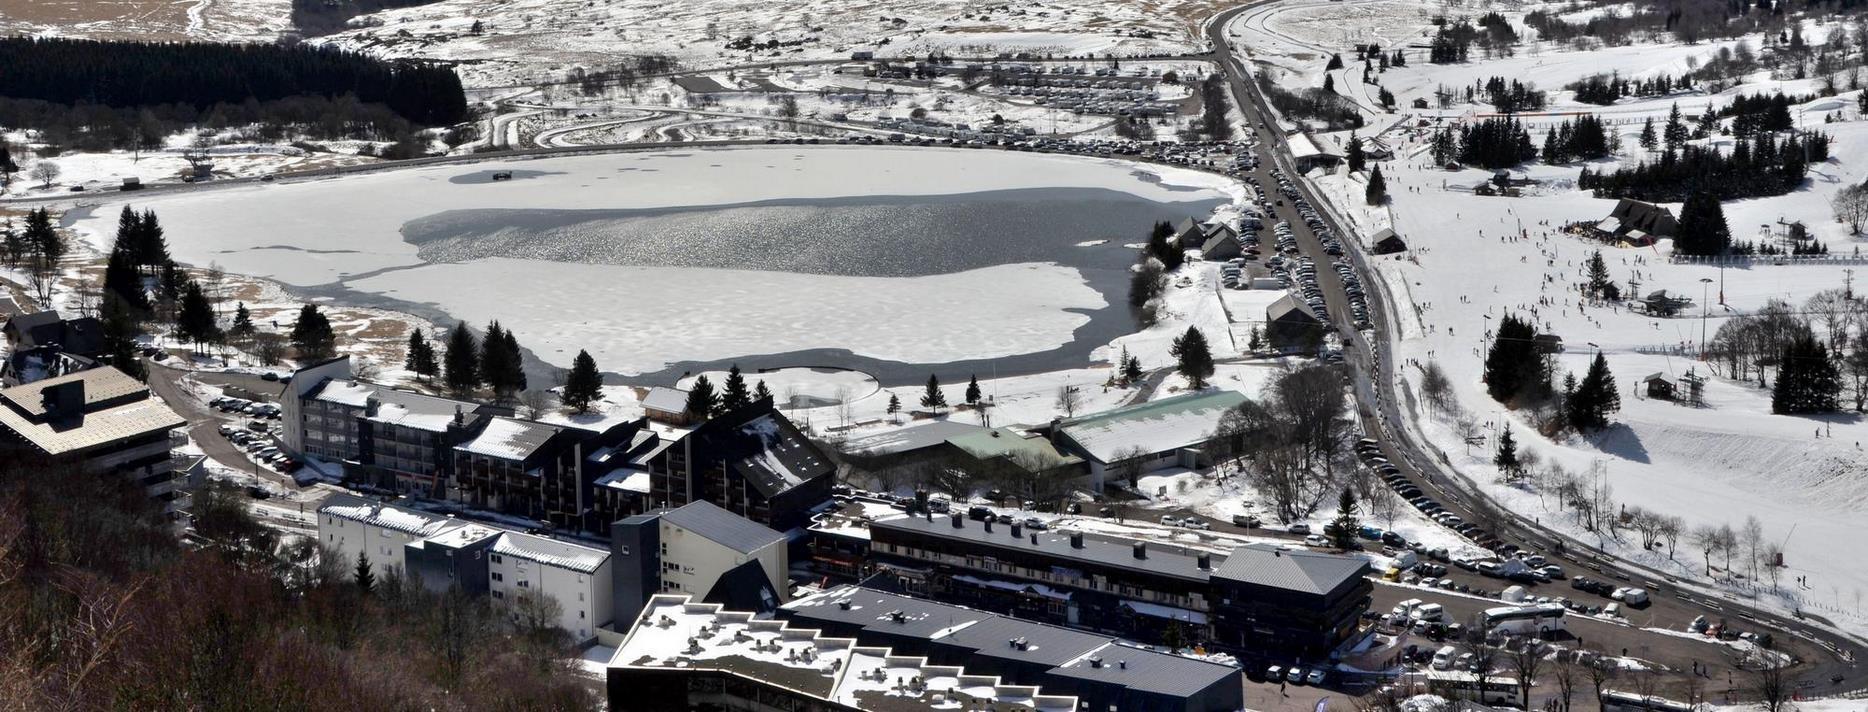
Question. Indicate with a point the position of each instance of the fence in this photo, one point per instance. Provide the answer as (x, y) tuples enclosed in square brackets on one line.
[(1777, 260)]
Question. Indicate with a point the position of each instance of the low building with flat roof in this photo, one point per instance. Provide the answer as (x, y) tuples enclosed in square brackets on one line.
[(683, 655), (102, 419), (1103, 672), (1169, 432)]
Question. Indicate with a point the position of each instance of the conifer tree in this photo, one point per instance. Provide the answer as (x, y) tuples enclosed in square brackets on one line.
[(461, 361), (760, 392), (1377, 192), (1132, 370), (152, 249), (124, 282), (1648, 139), (1506, 459), (701, 399), (312, 334), (1194, 360), (1598, 272), (494, 368), (972, 391), (931, 396), (1354, 155), (895, 407), (1702, 229), (1807, 380), (584, 385), (515, 361), (242, 328), (364, 575), (1594, 398), (734, 396), (1343, 529), (195, 321)]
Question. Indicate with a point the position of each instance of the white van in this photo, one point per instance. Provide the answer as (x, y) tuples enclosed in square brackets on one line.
[(1430, 612), (1444, 657), (1636, 597)]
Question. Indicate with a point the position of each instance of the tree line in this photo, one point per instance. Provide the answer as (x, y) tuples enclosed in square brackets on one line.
[(241, 617), (323, 17), (1764, 166), (1521, 374), (1584, 138), (199, 75), (1606, 89), (1496, 142)]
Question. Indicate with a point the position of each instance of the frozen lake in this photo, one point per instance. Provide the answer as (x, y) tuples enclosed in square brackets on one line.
[(894, 261)]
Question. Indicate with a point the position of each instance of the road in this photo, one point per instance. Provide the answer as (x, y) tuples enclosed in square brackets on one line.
[(1382, 417)]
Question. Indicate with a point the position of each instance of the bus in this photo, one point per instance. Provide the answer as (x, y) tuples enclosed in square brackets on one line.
[(1619, 701), (1540, 620), (1483, 689)]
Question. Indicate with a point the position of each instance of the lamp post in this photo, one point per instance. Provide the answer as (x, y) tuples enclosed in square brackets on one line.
[(1704, 282)]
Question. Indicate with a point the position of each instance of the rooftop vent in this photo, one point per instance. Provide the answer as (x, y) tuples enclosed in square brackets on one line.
[(1017, 531), (1096, 662), (844, 604), (1076, 540), (1203, 560), (958, 520), (898, 616), (1141, 550)]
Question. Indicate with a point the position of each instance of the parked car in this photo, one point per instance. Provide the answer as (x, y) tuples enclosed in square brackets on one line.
[(1244, 520), (1300, 528), (1316, 540)]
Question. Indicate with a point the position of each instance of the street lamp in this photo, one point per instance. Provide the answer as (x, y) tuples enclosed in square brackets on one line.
[(1704, 282)]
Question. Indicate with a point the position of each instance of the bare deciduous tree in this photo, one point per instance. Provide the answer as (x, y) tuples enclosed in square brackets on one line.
[(1067, 400)]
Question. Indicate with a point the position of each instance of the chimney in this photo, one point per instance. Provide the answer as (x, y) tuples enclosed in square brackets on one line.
[(1141, 550), (1124, 664), (844, 604), (1203, 560), (1076, 540), (63, 400), (957, 520), (1017, 530), (1096, 662)]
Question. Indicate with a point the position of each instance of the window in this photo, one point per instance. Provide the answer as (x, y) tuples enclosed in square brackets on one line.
[(525, 584), (624, 549), (580, 578), (580, 616), (498, 577), (498, 594), (498, 560)]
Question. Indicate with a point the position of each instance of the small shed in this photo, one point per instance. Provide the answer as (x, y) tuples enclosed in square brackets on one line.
[(1658, 385), (666, 405), (1387, 242), (1548, 343)]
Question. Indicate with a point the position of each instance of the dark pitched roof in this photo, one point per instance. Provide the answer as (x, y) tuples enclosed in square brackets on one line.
[(1646, 217), (1294, 570), (1067, 652), (1288, 308), (744, 588), (762, 446), (84, 336), (1162, 559), (722, 527)]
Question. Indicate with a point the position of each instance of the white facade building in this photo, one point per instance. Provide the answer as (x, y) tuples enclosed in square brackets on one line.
[(574, 575)]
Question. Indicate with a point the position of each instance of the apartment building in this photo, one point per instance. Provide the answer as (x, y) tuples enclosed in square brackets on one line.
[(103, 419), (700, 550)]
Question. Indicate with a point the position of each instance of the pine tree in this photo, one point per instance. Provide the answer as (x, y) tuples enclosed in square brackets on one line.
[(1807, 380), (1343, 529), (1335, 63), (494, 369), (1595, 397), (195, 321), (1132, 370), (734, 396), (152, 250), (1377, 192), (1354, 154), (312, 334), (701, 398), (1598, 272), (1194, 360), (972, 391), (895, 407), (242, 328), (515, 361), (1648, 139), (1514, 367), (124, 282), (1507, 457), (761, 393), (1702, 229), (120, 338), (461, 361), (932, 397), (413, 352), (364, 575), (584, 385), (1675, 133), (1329, 83)]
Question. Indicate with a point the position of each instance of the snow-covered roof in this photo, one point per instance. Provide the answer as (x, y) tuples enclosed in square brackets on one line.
[(350, 393), (509, 439), (551, 552), (387, 516), (674, 632), (1302, 146), (627, 479), (115, 408), (908, 439), (1156, 426), (664, 399)]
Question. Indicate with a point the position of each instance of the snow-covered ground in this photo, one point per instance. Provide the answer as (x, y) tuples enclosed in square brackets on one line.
[(170, 20), (1474, 259)]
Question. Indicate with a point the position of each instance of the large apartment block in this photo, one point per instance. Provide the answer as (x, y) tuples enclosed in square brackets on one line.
[(105, 421)]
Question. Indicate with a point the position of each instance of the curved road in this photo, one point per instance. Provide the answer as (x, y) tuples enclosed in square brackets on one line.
[(1383, 418)]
